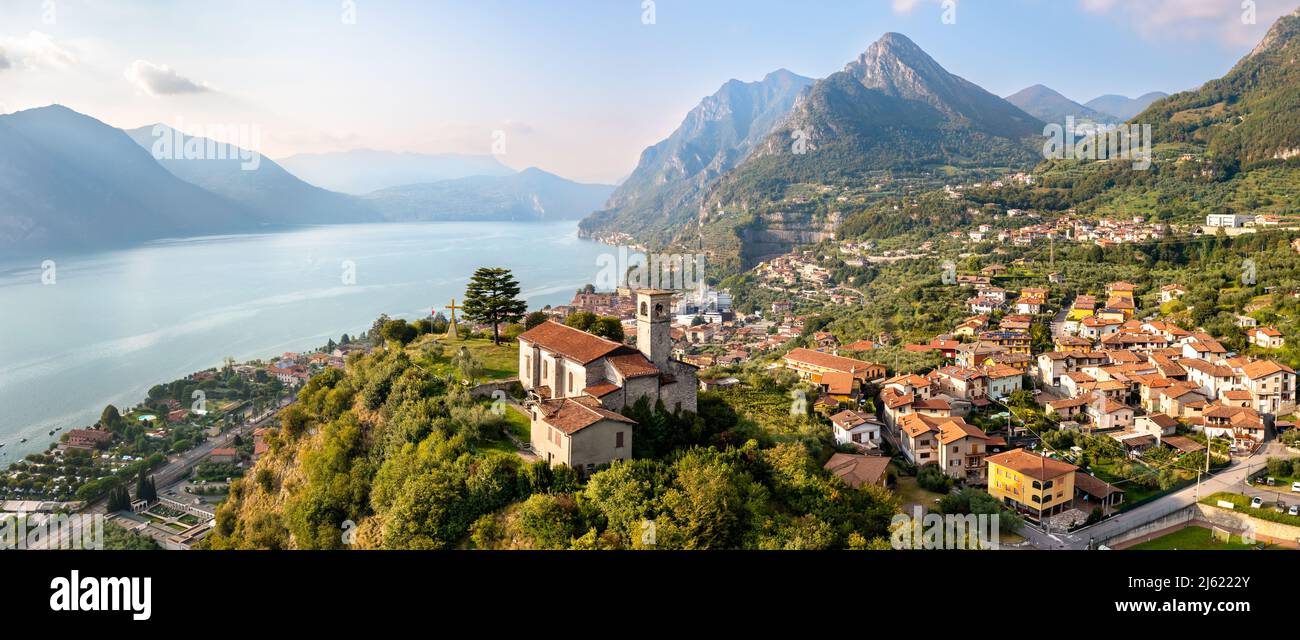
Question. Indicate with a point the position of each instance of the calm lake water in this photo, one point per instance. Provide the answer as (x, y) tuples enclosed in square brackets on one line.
[(116, 323)]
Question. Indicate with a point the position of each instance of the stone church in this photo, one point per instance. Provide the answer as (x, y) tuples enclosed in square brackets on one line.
[(578, 384)]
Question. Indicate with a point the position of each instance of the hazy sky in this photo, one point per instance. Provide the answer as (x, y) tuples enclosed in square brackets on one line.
[(579, 87)]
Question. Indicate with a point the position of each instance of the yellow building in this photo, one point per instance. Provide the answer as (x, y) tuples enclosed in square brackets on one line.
[(1030, 482), (1121, 290)]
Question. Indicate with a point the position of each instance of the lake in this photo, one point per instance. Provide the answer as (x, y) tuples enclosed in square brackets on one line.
[(114, 324)]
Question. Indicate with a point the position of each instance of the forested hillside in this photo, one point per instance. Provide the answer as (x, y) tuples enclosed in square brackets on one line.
[(388, 456)]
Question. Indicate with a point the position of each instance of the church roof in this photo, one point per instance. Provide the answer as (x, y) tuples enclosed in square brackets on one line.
[(570, 343), (633, 365), (571, 415)]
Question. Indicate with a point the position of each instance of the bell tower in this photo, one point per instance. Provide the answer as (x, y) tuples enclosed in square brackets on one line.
[(654, 325)]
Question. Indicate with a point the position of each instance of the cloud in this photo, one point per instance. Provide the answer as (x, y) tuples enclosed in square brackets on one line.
[(1227, 21), (34, 51), (905, 7), (161, 80)]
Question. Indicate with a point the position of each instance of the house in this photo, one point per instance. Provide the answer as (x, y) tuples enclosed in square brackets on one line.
[(857, 428), (1272, 386), (1068, 343), (813, 365), (86, 439), (1156, 424), (578, 382), (224, 455), (1266, 337), (1108, 414), (1171, 292), (858, 471), (1203, 346), (1010, 341), (1212, 379), (1243, 425), (1228, 220), (1032, 483), (957, 447)]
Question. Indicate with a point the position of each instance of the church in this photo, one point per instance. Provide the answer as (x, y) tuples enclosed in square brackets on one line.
[(579, 383)]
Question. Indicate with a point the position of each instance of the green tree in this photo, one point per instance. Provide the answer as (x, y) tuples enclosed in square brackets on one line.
[(581, 320), (608, 327), (535, 318), (492, 298)]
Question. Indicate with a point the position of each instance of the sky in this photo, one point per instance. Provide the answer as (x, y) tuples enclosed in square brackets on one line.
[(575, 87)]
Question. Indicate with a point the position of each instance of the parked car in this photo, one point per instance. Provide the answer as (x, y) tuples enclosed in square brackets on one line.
[(1256, 502), (1294, 510), (1295, 487)]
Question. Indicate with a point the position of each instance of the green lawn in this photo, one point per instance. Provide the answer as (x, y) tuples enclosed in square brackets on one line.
[(909, 492), (1194, 538), (500, 362), (518, 425)]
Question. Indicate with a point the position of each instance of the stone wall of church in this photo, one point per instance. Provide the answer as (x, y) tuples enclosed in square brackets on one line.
[(681, 394)]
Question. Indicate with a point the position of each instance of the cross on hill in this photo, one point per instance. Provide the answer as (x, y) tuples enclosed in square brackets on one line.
[(451, 326)]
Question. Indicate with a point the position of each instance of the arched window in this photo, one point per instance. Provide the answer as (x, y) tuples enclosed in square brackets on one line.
[(644, 309)]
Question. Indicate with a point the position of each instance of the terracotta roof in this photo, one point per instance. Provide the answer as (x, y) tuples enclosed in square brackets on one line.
[(838, 382), (857, 470), (1032, 464), (571, 415), (1161, 420), (1184, 444), (633, 365), (569, 342), (956, 429), (1260, 368), (601, 390), (1093, 486), (828, 361), (849, 419)]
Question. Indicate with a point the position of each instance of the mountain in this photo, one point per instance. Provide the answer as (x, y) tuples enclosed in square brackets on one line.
[(362, 171), (1123, 107), (531, 194), (1248, 115), (261, 185), (715, 136), (70, 182), (1049, 106), (892, 112)]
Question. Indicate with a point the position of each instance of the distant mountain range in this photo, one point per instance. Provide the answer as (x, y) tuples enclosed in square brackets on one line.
[(71, 182), (275, 195), (364, 170), (715, 136), (1051, 107), (531, 194), (1123, 107)]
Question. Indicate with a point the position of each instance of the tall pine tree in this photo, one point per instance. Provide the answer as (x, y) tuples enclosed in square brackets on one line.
[(492, 298)]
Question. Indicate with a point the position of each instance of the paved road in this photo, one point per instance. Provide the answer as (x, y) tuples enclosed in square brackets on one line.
[(177, 467), (1231, 479)]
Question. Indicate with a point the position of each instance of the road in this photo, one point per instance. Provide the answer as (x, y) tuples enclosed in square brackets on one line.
[(176, 467), (1231, 479)]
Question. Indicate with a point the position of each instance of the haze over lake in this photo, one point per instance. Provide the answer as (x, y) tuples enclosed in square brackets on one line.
[(116, 323)]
